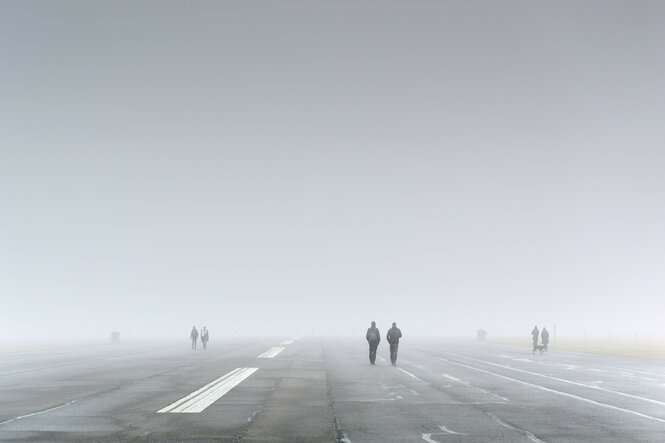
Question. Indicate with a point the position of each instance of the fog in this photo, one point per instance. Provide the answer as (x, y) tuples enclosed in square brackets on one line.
[(297, 168)]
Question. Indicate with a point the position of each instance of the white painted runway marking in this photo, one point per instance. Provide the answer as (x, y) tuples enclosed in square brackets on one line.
[(412, 376), (631, 375), (287, 342), (565, 394), (20, 417), (638, 371), (200, 399), (444, 431), (449, 431), (568, 366), (598, 388), (272, 352), (251, 417), (450, 377), (524, 432), (469, 385)]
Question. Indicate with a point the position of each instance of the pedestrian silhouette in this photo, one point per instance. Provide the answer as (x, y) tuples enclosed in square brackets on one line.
[(373, 338), (545, 338), (204, 336), (393, 336), (194, 335), (534, 335)]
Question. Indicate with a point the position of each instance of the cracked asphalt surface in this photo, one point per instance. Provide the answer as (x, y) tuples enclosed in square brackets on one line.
[(324, 390)]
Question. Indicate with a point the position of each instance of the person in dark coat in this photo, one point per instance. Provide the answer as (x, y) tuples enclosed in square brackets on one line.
[(534, 334), (545, 337), (373, 338), (393, 336), (194, 335)]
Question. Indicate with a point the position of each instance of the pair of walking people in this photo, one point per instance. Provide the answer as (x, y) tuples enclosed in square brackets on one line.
[(194, 335), (374, 338), (544, 337)]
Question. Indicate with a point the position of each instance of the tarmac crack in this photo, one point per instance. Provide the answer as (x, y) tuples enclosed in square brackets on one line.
[(340, 436)]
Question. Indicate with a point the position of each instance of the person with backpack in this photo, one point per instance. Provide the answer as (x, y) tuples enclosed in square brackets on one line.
[(393, 336), (373, 338), (194, 335)]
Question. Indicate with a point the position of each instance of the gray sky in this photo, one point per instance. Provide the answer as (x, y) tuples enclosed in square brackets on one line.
[(297, 167)]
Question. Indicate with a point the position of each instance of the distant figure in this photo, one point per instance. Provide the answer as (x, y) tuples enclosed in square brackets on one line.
[(481, 334), (373, 338), (545, 338), (194, 336), (204, 336), (535, 333), (393, 337)]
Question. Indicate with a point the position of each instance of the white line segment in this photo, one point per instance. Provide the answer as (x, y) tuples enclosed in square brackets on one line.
[(524, 432), (200, 399), (413, 376), (272, 352), (39, 412), (565, 394), (563, 380)]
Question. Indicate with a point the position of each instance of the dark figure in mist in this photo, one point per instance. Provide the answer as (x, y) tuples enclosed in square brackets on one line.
[(204, 336), (373, 338), (545, 337), (393, 337), (194, 335), (535, 333)]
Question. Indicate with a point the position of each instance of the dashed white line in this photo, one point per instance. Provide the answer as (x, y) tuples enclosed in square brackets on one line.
[(200, 399), (272, 352), (287, 342)]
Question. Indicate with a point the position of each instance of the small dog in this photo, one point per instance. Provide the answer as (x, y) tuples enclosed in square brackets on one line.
[(541, 348)]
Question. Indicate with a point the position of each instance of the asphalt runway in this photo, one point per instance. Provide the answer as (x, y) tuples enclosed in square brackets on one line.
[(319, 389)]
